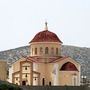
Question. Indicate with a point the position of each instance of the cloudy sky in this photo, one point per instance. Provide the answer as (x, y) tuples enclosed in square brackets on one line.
[(20, 20)]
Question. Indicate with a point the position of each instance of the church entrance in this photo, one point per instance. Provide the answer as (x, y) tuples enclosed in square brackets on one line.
[(50, 83), (24, 83), (43, 81)]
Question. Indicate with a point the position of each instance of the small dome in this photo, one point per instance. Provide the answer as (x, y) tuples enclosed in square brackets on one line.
[(46, 36)]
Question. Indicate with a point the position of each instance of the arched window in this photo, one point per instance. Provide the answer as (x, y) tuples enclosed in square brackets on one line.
[(46, 50), (25, 67), (52, 50), (56, 51), (41, 50), (26, 75), (35, 50)]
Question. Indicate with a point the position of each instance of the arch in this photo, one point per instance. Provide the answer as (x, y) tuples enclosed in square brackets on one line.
[(56, 51), (50, 83), (41, 50), (23, 82), (35, 50), (68, 67), (52, 50), (46, 50), (43, 81)]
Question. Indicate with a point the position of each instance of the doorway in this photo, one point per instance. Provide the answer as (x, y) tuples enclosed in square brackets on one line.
[(49, 83), (24, 83), (43, 81)]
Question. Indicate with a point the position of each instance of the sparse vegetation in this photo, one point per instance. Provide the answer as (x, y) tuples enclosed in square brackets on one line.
[(9, 87)]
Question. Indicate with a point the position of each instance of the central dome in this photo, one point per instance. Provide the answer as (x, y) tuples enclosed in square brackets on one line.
[(46, 36)]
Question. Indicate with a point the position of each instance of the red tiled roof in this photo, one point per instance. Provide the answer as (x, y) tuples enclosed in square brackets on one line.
[(38, 59), (46, 36), (68, 67)]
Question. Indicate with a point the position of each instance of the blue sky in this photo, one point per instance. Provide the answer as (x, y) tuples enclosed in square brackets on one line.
[(20, 20)]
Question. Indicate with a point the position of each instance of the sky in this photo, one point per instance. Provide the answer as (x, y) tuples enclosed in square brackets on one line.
[(20, 20)]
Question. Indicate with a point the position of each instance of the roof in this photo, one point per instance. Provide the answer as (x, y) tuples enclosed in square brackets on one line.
[(38, 59), (46, 36), (69, 67)]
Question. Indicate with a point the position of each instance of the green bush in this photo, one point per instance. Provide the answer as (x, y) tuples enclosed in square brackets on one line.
[(9, 87)]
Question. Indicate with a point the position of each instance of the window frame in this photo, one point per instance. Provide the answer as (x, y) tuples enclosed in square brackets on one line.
[(35, 51), (46, 50)]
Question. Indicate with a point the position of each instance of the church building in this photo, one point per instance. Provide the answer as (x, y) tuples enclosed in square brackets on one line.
[(45, 65)]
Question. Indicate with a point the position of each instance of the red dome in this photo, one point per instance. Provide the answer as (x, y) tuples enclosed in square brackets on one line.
[(46, 36)]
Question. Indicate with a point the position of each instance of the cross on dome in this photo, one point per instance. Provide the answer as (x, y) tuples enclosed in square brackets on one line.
[(46, 27)]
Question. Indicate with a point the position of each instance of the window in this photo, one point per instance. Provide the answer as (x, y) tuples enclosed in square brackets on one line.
[(41, 50), (35, 50), (25, 67), (52, 50), (26, 75), (16, 78), (35, 78), (46, 50), (56, 51)]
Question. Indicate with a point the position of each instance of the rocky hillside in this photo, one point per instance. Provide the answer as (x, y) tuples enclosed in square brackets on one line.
[(81, 55)]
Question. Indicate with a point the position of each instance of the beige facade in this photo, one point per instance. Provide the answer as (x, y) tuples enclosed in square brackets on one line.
[(28, 73), (52, 46), (69, 77), (3, 70), (45, 65)]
